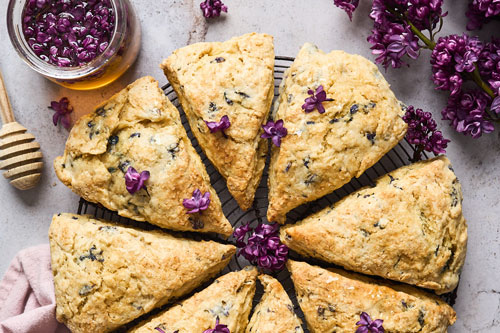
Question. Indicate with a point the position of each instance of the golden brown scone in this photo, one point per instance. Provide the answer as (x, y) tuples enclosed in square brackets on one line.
[(228, 298), (408, 228), (106, 275), (274, 313), (140, 127), (332, 301), (322, 152), (233, 78)]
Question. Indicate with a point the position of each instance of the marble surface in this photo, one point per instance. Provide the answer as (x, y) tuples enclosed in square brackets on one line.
[(167, 25)]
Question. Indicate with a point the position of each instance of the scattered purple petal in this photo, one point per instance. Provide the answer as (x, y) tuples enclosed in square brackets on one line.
[(134, 181), (219, 328), (215, 126), (63, 111), (197, 202), (316, 100), (367, 325), (212, 8), (275, 131), (349, 6)]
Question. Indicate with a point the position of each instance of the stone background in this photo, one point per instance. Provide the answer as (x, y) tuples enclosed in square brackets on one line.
[(167, 25)]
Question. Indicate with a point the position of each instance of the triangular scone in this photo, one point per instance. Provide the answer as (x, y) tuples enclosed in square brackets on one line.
[(324, 151), (332, 301), (106, 275), (140, 128), (228, 298), (274, 313), (408, 228), (235, 79)]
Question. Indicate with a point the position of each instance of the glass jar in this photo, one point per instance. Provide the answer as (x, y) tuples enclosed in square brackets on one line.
[(106, 67)]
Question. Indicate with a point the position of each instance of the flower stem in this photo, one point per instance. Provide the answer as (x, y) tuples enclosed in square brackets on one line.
[(476, 77), (429, 43)]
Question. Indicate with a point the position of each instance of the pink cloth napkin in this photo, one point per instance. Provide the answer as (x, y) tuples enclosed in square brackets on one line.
[(27, 300)]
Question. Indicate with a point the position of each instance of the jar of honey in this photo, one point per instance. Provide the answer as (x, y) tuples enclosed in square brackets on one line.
[(79, 44)]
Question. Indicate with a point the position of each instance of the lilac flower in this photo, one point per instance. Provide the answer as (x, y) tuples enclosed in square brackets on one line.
[(466, 112), (263, 247), (63, 110), (159, 330), (367, 325), (197, 202), (481, 12), (219, 328), (422, 132), (215, 126), (212, 8), (452, 56), (134, 181), (349, 6), (489, 64), (275, 131), (425, 14), (495, 105), (316, 100), (391, 42)]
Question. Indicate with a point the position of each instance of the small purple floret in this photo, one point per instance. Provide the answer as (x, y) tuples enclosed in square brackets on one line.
[(219, 328), (134, 181), (349, 6), (159, 330), (212, 8), (316, 100), (215, 126), (197, 202), (367, 325), (263, 246), (63, 110), (275, 131)]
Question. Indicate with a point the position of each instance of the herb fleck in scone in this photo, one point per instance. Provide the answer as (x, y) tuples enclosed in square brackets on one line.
[(274, 313), (106, 275), (332, 301), (235, 79), (408, 228), (324, 151), (140, 128), (228, 298)]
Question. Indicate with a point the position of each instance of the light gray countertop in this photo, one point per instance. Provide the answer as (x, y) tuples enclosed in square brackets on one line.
[(167, 25)]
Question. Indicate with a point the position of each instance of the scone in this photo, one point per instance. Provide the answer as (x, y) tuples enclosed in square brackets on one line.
[(228, 299), (106, 275), (408, 228), (324, 151), (274, 313), (234, 79), (333, 300), (140, 128)]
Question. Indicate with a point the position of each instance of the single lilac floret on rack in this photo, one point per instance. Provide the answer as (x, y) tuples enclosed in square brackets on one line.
[(212, 8), (215, 126), (219, 328), (134, 181), (316, 100), (367, 325), (197, 202), (63, 110), (263, 246), (275, 131)]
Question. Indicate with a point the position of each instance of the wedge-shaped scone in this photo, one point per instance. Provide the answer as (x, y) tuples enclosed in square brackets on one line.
[(235, 79), (228, 298), (324, 151), (140, 128), (106, 275), (408, 228), (332, 301), (274, 313)]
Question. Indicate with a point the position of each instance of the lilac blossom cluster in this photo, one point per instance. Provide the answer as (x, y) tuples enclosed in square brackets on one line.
[(481, 12)]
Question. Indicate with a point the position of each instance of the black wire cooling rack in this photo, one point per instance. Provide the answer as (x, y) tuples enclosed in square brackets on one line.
[(399, 156)]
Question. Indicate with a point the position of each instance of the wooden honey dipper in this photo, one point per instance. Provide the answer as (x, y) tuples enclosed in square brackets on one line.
[(20, 154)]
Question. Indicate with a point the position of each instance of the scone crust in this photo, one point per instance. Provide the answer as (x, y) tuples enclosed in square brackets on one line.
[(274, 313), (139, 127), (229, 298), (332, 301), (408, 228), (106, 275), (233, 78), (322, 152)]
